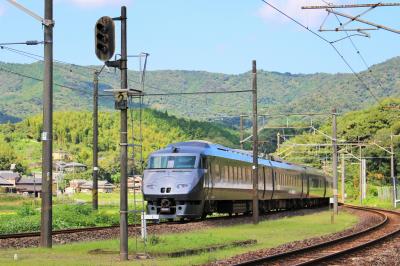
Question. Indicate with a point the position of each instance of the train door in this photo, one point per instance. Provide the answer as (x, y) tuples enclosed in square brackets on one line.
[(205, 164)]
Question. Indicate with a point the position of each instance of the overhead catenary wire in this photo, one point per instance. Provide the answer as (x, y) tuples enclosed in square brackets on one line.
[(40, 80), (330, 43), (356, 49)]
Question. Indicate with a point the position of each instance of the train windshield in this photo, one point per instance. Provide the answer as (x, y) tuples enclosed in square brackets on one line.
[(173, 162)]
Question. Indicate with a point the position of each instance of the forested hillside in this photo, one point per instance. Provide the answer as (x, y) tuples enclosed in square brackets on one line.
[(372, 125), (278, 92), (20, 142)]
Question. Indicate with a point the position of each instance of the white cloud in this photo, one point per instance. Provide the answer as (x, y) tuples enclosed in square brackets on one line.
[(312, 18), (98, 3), (2, 10)]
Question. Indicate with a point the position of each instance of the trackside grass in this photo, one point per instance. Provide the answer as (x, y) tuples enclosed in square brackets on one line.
[(268, 234)]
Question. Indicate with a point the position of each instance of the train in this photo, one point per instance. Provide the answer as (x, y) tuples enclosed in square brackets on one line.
[(190, 180)]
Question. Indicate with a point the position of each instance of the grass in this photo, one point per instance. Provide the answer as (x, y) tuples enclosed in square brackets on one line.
[(268, 234), (22, 214), (373, 202)]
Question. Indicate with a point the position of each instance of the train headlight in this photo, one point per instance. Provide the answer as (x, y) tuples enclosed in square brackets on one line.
[(179, 186), (151, 186)]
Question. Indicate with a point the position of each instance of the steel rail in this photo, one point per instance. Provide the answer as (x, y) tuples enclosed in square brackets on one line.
[(283, 255), (97, 228)]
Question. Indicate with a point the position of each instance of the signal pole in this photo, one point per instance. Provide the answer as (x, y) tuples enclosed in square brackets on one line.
[(124, 142), (95, 201), (255, 145), (47, 147)]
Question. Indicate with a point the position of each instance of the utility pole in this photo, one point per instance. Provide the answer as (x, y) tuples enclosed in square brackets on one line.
[(361, 171), (95, 201), (124, 142), (343, 178), (392, 172), (364, 178), (241, 132), (255, 146), (334, 162), (46, 222), (278, 140)]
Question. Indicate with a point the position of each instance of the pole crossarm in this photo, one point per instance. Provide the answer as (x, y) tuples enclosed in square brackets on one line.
[(46, 22), (357, 18), (351, 6)]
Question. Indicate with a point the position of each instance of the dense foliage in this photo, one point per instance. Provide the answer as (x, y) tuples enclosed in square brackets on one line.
[(73, 133), (278, 92)]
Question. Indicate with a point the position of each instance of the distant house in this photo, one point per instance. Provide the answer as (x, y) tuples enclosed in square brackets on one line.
[(61, 156), (4, 183), (103, 186), (10, 176), (135, 183), (74, 167), (75, 185), (29, 185)]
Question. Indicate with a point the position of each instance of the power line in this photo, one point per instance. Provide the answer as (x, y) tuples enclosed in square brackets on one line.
[(330, 43), (40, 80), (357, 50)]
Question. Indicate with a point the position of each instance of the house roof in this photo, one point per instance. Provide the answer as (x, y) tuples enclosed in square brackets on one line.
[(29, 181), (101, 184), (74, 164), (10, 175)]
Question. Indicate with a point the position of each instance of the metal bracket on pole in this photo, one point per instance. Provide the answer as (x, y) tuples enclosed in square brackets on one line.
[(46, 22)]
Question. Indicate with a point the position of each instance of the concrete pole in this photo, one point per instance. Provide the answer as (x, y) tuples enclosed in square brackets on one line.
[(278, 140), (255, 146), (360, 183), (124, 144), (364, 178), (241, 132), (95, 202), (343, 178), (334, 162), (47, 138), (392, 173)]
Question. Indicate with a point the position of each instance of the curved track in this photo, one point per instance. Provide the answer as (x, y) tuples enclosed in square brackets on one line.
[(326, 251)]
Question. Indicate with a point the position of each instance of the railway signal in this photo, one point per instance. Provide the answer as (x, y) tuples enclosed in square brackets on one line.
[(104, 38)]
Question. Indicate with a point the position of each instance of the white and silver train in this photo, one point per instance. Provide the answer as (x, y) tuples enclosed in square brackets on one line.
[(196, 178)]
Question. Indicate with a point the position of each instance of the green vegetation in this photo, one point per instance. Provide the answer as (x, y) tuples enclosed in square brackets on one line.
[(73, 133), (374, 124), (268, 234), (278, 92), (21, 214)]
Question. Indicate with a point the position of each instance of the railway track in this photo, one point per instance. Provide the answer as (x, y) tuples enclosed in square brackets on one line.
[(98, 228), (330, 250)]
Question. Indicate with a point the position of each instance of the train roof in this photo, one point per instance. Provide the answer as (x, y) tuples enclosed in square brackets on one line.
[(212, 149)]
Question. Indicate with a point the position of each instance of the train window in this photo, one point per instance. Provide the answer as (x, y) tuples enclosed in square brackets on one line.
[(177, 162)]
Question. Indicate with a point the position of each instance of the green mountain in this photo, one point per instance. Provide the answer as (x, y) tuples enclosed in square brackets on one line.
[(277, 92), (20, 142)]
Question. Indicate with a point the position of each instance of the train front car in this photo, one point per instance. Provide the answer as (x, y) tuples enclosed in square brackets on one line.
[(173, 181)]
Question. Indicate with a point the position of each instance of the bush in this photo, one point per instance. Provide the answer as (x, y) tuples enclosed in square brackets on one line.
[(27, 210)]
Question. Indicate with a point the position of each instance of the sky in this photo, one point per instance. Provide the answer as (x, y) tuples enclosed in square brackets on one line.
[(216, 36)]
